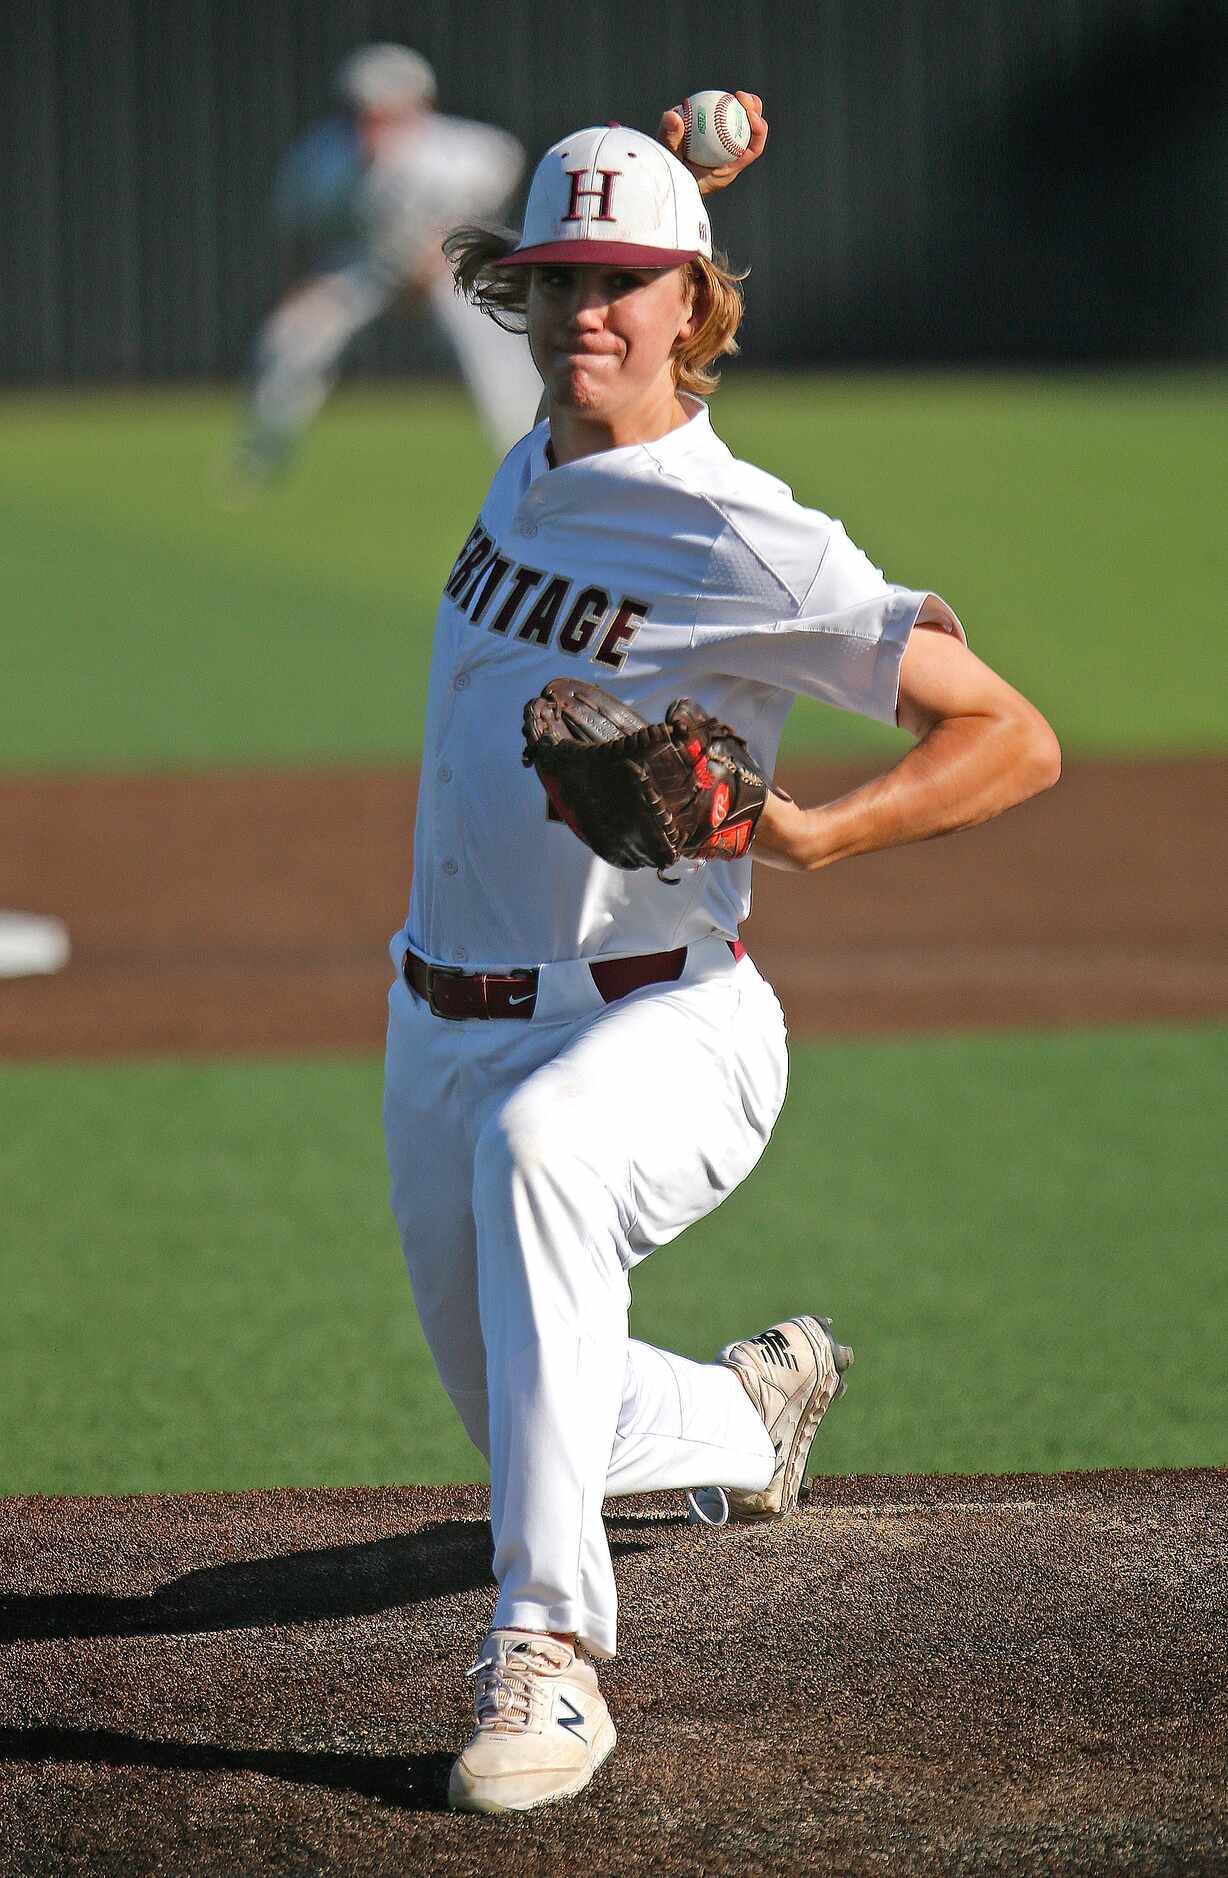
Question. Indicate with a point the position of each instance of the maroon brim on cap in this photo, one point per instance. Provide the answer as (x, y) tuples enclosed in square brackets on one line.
[(597, 254)]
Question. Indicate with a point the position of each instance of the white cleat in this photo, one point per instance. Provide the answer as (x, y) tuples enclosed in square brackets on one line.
[(792, 1374), (543, 1728)]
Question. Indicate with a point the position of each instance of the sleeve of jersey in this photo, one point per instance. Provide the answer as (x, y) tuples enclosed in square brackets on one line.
[(840, 639), (486, 165), (503, 165)]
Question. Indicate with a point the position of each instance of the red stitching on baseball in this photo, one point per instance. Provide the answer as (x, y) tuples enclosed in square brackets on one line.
[(718, 122)]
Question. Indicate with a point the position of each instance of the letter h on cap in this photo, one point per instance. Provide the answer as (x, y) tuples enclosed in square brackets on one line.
[(605, 194)]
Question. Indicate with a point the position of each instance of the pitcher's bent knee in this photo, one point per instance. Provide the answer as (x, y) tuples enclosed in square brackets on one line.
[(534, 1142), (545, 1183)]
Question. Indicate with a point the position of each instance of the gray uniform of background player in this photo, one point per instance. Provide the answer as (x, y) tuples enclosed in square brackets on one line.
[(368, 194)]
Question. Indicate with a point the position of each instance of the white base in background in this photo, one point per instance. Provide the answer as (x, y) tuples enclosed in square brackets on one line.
[(31, 943)]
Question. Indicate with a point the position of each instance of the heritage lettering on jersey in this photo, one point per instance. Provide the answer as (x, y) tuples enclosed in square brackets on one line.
[(604, 195), (539, 607)]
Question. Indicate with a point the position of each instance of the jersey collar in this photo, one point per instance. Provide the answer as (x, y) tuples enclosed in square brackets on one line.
[(664, 451)]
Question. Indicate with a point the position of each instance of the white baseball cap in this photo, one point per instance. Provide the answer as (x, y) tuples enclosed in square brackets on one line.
[(385, 77), (609, 197)]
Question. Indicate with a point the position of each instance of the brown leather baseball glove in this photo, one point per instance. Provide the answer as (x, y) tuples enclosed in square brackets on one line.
[(639, 794)]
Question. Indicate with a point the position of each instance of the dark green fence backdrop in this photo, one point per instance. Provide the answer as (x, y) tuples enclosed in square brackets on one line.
[(948, 179)]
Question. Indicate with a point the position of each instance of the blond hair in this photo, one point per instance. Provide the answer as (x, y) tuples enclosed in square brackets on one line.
[(502, 292)]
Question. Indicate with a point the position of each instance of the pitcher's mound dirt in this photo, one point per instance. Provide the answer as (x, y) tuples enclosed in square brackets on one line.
[(1019, 1675), (249, 911)]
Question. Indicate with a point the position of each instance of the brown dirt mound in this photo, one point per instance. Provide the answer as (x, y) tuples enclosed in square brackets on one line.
[(1017, 1675), (249, 911)]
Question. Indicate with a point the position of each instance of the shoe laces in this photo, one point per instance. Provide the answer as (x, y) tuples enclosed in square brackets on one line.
[(503, 1692)]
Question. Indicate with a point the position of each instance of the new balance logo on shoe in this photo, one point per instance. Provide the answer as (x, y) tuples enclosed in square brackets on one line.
[(527, 1688), (775, 1347)]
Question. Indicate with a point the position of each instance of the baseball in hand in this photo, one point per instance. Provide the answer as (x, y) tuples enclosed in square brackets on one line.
[(715, 129)]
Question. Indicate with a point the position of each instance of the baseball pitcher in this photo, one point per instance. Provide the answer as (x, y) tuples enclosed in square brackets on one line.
[(582, 1058)]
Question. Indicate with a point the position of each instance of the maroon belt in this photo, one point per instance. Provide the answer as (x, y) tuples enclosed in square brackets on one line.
[(454, 994)]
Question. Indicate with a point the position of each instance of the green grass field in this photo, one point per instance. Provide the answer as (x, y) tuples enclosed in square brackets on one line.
[(1074, 522), (1021, 1236)]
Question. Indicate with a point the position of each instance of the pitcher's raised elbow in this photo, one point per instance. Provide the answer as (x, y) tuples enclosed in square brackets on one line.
[(1040, 764)]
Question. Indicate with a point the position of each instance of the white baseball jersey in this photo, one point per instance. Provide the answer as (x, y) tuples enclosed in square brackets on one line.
[(388, 211), (659, 570)]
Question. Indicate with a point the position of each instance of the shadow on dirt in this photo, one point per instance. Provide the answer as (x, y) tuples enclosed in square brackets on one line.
[(417, 1782), (309, 1587), (441, 1561)]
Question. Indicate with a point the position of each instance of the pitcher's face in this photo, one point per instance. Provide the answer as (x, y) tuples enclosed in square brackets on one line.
[(603, 337)]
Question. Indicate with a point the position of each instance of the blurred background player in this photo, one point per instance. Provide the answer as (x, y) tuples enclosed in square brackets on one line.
[(359, 203)]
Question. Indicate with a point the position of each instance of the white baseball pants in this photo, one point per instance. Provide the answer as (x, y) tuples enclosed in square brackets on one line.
[(496, 365), (301, 344), (532, 1165)]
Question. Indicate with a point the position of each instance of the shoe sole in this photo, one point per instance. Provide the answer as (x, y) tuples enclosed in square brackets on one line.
[(602, 1750), (795, 1467)]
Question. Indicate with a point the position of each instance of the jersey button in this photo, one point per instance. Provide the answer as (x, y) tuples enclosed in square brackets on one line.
[(460, 682), (444, 773), (451, 867), (529, 529), (461, 954)]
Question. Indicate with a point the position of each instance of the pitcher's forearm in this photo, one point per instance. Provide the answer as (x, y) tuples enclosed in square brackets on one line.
[(964, 771)]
